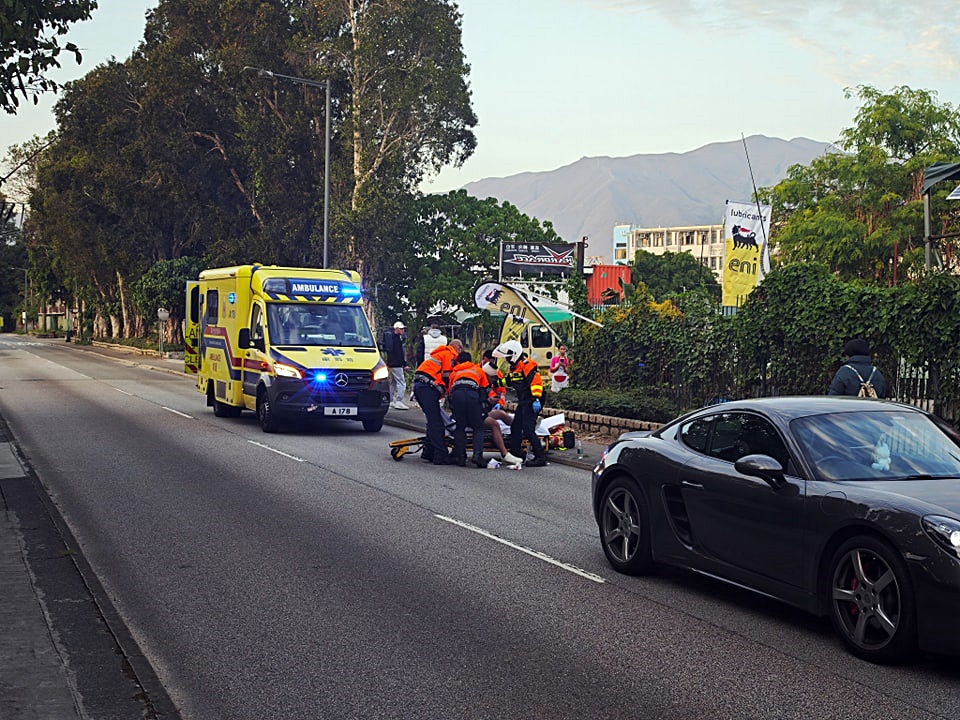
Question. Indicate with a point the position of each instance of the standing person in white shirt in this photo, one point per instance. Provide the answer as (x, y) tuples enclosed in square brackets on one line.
[(433, 339)]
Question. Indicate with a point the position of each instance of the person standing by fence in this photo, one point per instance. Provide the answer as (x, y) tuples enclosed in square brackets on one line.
[(858, 375)]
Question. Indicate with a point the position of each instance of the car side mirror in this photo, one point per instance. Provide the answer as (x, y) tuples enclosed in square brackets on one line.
[(243, 338), (762, 466)]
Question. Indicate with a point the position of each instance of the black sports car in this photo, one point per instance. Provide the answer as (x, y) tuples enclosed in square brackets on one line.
[(836, 505)]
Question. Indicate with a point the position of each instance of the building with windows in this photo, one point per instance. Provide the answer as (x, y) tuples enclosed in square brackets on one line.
[(704, 242)]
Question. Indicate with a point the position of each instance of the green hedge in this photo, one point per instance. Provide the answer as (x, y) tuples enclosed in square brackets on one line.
[(787, 339), (633, 404)]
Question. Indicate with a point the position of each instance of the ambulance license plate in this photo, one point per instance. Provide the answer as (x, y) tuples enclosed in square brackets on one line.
[(340, 411)]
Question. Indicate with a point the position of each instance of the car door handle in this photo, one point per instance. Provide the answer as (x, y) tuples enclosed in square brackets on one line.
[(689, 484)]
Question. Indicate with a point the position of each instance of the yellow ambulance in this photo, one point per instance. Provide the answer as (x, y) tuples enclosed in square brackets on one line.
[(290, 344)]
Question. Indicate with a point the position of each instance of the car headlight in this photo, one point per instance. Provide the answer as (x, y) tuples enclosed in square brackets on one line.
[(282, 370), (381, 373), (944, 531)]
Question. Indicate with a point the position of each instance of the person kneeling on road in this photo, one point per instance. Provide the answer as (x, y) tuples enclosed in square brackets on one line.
[(468, 390), (429, 387), (524, 378)]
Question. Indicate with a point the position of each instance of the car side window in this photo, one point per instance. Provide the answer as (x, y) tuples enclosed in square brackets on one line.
[(739, 434), (696, 433)]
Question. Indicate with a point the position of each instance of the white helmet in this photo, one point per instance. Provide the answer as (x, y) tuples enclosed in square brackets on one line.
[(510, 351), (490, 369)]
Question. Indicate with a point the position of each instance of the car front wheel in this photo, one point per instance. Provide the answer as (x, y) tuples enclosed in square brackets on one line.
[(625, 527), (871, 601)]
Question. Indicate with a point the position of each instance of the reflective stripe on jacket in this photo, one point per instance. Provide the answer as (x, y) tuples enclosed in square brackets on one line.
[(469, 374), (525, 378)]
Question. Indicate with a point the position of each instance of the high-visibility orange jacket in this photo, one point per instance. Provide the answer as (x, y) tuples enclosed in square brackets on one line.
[(469, 375), (524, 378), (437, 367)]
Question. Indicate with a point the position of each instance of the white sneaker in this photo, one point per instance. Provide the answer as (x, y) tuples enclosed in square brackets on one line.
[(400, 405), (512, 459), (393, 404)]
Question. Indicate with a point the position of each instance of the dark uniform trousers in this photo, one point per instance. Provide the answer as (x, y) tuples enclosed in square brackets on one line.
[(468, 412), (428, 397), (524, 425)]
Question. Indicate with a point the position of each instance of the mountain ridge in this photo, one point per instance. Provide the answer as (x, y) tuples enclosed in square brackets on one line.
[(589, 196)]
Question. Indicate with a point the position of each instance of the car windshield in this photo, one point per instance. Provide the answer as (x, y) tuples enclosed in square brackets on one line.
[(881, 445), (318, 324)]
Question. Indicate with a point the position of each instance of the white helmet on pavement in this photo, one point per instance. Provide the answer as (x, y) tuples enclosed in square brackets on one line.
[(510, 351)]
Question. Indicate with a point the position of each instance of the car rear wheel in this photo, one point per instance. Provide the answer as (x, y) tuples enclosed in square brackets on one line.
[(625, 527), (871, 601)]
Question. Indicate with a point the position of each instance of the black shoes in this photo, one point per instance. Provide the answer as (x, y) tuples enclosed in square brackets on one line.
[(536, 462), (478, 461)]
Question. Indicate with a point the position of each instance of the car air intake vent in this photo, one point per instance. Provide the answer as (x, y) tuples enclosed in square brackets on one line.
[(677, 511)]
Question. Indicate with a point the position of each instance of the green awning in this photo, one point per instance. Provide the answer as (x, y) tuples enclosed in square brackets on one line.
[(554, 314)]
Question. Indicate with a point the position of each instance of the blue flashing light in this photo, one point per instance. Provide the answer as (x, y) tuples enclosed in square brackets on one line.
[(232, 298), (349, 290), (320, 378)]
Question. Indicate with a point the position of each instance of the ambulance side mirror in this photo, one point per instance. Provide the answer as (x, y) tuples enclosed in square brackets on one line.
[(243, 339)]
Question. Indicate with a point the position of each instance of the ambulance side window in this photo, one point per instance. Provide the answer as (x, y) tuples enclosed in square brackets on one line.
[(256, 322), (213, 307)]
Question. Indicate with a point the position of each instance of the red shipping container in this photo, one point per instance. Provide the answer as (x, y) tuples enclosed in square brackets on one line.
[(605, 277)]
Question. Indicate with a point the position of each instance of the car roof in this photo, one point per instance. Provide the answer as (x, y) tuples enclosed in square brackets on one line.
[(788, 408)]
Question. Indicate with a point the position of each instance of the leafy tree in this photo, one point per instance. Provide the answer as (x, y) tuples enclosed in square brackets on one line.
[(29, 45), (408, 109), (164, 285), (672, 273), (451, 242), (859, 211)]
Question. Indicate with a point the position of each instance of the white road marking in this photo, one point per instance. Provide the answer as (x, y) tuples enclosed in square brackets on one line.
[(274, 450), (123, 391), (534, 553), (177, 412)]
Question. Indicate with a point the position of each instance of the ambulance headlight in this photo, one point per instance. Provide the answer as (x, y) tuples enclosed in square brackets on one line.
[(287, 371), (381, 373)]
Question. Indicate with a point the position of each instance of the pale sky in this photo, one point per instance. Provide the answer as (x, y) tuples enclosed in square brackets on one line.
[(556, 80)]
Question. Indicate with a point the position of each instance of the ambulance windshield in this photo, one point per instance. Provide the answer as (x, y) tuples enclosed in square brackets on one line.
[(318, 324)]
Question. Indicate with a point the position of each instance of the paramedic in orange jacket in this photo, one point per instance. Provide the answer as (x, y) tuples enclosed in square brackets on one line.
[(429, 387), (524, 378), (468, 391)]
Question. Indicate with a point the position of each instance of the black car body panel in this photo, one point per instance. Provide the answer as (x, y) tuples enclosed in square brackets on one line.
[(776, 535)]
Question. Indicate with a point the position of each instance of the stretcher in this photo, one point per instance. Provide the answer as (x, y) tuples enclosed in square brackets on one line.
[(414, 445)]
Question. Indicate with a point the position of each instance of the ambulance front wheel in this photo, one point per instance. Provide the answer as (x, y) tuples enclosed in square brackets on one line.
[(265, 414), (372, 424)]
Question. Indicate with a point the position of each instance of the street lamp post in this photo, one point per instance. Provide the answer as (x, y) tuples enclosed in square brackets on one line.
[(326, 153)]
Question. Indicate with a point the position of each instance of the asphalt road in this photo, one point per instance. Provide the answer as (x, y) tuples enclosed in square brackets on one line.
[(308, 575)]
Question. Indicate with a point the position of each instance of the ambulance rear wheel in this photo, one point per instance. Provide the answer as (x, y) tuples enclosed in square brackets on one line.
[(265, 414), (220, 409), (225, 411), (373, 424)]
